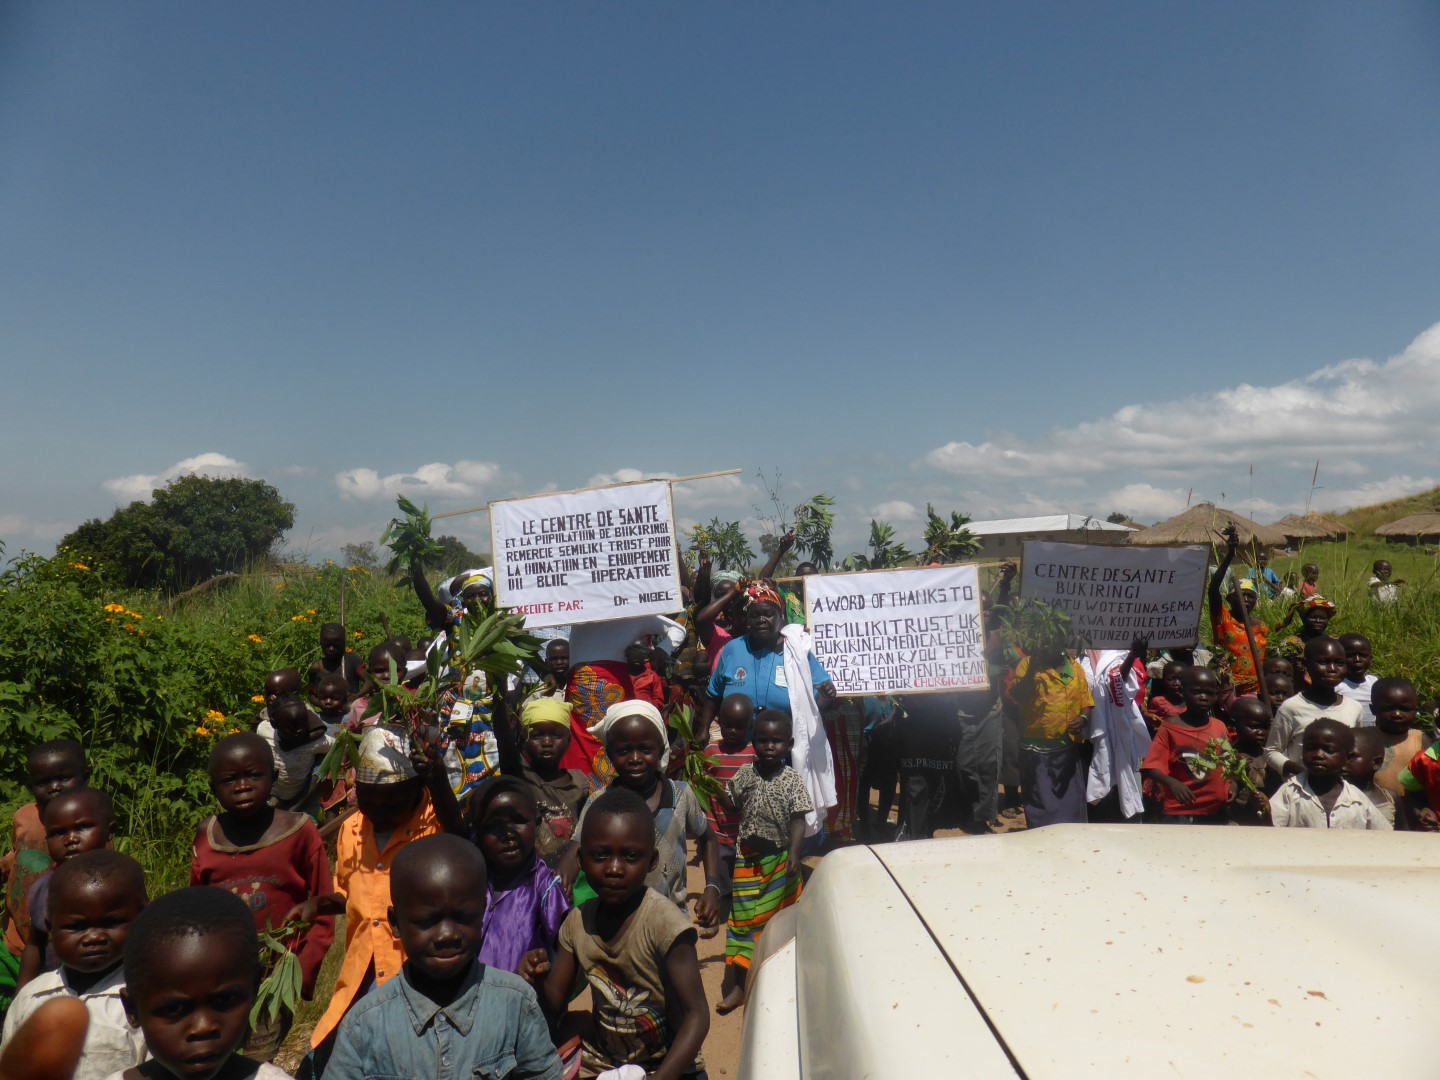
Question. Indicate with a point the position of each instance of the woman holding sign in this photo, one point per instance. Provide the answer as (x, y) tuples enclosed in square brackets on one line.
[(774, 666)]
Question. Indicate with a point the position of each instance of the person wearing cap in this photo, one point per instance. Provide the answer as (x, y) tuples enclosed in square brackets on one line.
[(1228, 622), (403, 794)]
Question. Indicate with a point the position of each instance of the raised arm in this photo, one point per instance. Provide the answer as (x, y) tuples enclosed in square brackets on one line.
[(1217, 579), (436, 613), (786, 543), (504, 723)]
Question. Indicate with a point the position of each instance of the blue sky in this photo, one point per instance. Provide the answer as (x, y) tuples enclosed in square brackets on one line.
[(1008, 258)]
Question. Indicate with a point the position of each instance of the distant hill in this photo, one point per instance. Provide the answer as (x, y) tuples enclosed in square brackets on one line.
[(1366, 519)]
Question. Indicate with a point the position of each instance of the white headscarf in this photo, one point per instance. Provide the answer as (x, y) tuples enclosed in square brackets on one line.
[(633, 707), (384, 757)]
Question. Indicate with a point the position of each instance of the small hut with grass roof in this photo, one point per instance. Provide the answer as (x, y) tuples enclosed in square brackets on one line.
[(1205, 523), (1413, 529), (1301, 527)]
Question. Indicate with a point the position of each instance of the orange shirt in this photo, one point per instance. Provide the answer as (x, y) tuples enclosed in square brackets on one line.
[(1048, 699), (1229, 633), (362, 876), (26, 860)]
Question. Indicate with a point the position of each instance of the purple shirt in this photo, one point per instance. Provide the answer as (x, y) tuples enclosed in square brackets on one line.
[(525, 916)]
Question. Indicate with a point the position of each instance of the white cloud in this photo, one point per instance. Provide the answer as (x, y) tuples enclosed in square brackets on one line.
[(140, 485), (437, 480), (1354, 408), (896, 512), (1145, 502), (1392, 487), (20, 527), (728, 497)]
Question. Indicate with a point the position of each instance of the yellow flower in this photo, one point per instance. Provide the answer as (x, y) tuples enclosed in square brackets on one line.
[(202, 732), (140, 632), (133, 615), (279, 585), (78, 566), (257, 639), (214, 716), (309, 611), (298, 618), (109, 620), (114, 609), (258, 699), (359, 634)]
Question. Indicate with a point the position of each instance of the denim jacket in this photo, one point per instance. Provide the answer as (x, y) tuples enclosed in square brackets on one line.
[(493, 1030)]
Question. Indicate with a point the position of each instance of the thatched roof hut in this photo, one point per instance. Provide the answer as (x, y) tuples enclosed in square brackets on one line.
[(1205, 523), (1311, 526), (1414, 529)]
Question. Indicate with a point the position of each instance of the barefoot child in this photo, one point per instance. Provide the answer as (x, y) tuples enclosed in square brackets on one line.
[(773, 802), (524, 900), (634, 949), (1318, 797), (1190, 794), (94, 898), (403, 794), (75, 821), (1360, 769), (559, 794), (52, 767), (724, 758), (448, 1014), (1325, 667), (191, 973), (271, 859)]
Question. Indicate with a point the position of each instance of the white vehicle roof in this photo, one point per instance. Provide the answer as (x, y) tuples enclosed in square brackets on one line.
[(1120, 951)]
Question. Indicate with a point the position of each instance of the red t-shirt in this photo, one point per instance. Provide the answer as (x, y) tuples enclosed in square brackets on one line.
[(271, 880), (1172, 751), (723, 767)]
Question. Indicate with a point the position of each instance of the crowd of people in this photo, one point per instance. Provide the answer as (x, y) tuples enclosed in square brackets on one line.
[(532, 841)]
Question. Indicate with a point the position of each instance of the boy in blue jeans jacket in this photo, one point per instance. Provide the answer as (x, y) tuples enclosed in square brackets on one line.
[(447, 1013)]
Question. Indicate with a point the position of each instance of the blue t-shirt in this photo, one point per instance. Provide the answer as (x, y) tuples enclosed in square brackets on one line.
[(760, 677)]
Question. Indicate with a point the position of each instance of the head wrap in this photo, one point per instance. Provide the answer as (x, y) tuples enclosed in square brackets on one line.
[(760, 592), (1245, 585), (384, 757), (1317, 601), (717, 576), (622, 710), (464, 580), (544, 710)]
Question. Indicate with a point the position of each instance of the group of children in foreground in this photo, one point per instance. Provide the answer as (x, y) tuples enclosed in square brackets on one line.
[(463, 946)]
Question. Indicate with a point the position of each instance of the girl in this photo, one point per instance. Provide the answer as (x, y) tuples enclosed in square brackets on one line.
[(524, 902), (636, 741), (559, 794), (271, 859)]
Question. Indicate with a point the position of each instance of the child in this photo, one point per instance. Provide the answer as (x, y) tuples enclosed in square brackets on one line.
[(1325, 667), (1280, 687), (1190, 794), (1319, 797), (298, 742), (1395, 704), (1252, 726), (334, 660), (1228, 622), (634, 949), (330, 700), (94, 898), (1169, 700), (636, 742), (559, 794), (1310, 585), (51, 767), (1358, 682), (1278, 665), (648, 685), (75, 821), (191, 973), (1382, 589), (272, 859), (724, 758), (403, 794), (277, 683), (377, 670), (1360, 769), (524, 901), (773, 803), (448, 1014)]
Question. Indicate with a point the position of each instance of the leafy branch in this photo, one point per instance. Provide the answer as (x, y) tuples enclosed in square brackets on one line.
[(409, 538), (281, 987), (1233, 765)]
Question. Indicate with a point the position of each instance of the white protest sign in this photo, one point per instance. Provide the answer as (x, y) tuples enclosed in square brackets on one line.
[(898, 631), (585, 556), (1115, 592)]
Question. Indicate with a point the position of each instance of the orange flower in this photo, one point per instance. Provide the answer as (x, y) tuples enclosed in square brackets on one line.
[(257, 639), (258, 699)]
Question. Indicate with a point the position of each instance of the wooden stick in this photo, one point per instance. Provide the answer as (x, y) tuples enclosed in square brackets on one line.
[(596, 487), (343, 577)]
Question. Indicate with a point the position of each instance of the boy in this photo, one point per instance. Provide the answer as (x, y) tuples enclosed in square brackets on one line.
[(283, 681), (635, 950), (1395, 704), (298, 743), (191, 973), (334, 660), (1325, 666), (1360, 769), (330, 699), (1190, 794), (1168, 701), (1318, 797), (94, 898), (649, 686), (1358, 683), (52, 767), (1382, 589), (447, 1013), (1251, 721), (75, 822)]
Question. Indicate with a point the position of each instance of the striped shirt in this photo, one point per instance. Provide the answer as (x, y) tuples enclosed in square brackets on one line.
[(723, 767)]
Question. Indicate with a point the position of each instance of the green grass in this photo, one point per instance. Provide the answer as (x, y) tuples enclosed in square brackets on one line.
[(1366, 519)]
